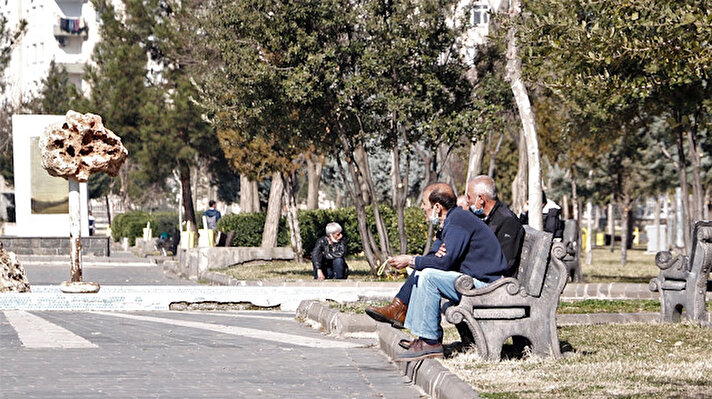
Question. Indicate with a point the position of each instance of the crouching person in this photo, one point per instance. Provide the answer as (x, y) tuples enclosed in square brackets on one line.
[(328, 254)]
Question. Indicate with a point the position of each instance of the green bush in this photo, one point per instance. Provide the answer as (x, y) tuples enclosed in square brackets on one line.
[(312, 226), (416, 229), (131, 224), (164, 222), (313, 223), (249, 228)]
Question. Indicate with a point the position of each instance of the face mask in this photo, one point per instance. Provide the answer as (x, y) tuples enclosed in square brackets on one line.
[(478, 212), (434, 218)]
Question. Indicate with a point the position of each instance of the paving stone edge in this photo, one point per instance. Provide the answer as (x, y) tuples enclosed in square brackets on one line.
[(430, 375)]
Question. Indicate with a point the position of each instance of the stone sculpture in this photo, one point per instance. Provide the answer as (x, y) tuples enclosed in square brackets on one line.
[(12, 274), (74, 150)]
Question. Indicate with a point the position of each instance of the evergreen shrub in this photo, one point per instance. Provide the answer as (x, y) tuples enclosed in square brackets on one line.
[(131, 224), (249, 228)]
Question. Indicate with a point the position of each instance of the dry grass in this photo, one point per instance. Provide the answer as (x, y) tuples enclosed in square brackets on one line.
[(606, 267), (627, 361), (294, 271)]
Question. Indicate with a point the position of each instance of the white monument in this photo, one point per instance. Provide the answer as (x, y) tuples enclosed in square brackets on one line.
[(41, 200)]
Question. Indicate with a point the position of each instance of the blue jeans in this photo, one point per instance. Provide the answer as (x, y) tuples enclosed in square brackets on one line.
[(423, 317)]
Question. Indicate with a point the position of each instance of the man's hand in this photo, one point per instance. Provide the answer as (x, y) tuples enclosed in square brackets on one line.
[(441, 251), (400, 261), (320, 275)]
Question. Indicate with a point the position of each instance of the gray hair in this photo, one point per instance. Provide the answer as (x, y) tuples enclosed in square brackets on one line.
[(484, 184), (333, 228)]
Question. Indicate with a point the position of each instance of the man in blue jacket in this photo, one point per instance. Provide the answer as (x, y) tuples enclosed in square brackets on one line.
[(472, 249)]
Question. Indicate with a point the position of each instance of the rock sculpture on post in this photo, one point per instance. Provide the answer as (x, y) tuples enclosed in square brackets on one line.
[(74, 150)]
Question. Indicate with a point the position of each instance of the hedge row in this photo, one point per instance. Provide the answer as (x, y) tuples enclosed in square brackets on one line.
[(312, 225), (131, 224)]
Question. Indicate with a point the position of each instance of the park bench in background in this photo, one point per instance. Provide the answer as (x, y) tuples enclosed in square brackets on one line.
[(572, 259), (522, 307), (683, 281)]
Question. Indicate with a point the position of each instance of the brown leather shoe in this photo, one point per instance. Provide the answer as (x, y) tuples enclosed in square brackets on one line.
[(393, 313), (420, 350)]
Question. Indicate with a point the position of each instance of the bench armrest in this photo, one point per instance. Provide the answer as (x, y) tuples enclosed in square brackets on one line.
[(465, 286)]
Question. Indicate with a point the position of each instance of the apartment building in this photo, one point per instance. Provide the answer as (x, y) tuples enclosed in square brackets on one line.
[(61, 30)]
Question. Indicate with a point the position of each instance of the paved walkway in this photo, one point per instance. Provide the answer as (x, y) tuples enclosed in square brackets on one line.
[(187, 355)]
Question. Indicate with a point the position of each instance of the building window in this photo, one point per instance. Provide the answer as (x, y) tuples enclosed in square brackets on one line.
[(479, 15)]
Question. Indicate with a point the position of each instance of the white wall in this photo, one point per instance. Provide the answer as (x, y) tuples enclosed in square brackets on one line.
[(24, 127)]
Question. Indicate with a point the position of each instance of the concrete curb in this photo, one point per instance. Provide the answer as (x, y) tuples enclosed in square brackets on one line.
[(430, 375), (333, 321)]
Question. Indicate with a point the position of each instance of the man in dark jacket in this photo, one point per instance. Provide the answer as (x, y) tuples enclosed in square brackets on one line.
[(472, 249), (482, 197), (328, 254), (551, 218)]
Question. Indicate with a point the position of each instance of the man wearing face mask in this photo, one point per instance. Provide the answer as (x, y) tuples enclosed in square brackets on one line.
[(478, 258), (482, 197)]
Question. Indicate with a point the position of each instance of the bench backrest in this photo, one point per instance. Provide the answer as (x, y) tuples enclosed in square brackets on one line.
[(534, 260), (701, 248), (571, 231)]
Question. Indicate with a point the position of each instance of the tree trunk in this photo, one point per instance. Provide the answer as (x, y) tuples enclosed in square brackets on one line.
[(685, 190), (625, 218), (187, 197), (656, 210), (591, 236), (245, 195), (519, 184), (576, 202), (274, 208), (696, 162), (400, 195), (385, 246), (370, 249), (313, 178), (255, 196), (612, 223), (427, 159), (493, 155), (477, 154), (565, 207), (295, 234), (108, 208), (526, 114)]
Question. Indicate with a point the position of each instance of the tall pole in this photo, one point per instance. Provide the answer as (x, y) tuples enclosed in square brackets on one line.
[(75, 231)]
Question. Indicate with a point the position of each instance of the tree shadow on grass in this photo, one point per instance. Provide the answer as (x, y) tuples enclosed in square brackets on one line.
[(511, 350)]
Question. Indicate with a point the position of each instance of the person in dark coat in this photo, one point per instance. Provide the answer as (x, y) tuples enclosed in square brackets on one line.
[(328, 254)]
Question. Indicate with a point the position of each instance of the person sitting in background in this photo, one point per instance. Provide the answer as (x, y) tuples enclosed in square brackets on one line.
[(328, 254), (462, 202), (551, 219), (212, 216)]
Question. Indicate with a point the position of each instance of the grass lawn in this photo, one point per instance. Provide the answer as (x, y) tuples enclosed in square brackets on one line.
[(603, 361), (605, 268)]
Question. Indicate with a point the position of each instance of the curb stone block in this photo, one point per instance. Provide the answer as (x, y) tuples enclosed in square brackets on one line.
[(434, 378)]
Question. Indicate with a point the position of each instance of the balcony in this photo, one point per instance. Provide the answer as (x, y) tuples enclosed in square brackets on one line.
[(73, 68), (71, 27)]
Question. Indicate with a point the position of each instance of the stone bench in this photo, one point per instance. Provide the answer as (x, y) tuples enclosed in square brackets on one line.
[(521, 307), (683, 281), (572, 259)]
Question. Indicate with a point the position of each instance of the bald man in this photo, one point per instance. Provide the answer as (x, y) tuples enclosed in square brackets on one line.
[(482, 197), (480, 259)]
